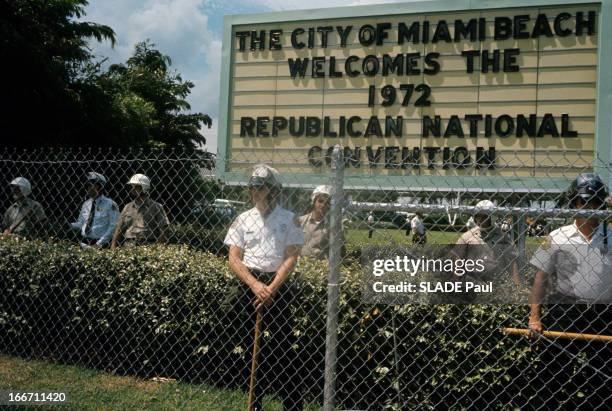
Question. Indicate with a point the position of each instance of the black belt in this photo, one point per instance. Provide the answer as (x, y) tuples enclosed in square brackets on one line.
[(262, 274)]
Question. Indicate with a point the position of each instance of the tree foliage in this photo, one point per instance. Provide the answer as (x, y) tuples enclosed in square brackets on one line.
[(56, 94)]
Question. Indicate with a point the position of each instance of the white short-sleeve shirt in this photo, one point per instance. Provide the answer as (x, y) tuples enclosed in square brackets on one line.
[(264, 240), (417, 226), (582, 269)]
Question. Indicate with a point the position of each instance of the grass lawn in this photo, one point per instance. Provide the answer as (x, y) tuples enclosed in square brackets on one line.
[(96, 390)]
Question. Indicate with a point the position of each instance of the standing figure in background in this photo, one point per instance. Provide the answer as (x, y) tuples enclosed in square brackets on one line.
[(419, 236), (315, 225), (25, 217), (370, 222), (143, 221), (99, 214)]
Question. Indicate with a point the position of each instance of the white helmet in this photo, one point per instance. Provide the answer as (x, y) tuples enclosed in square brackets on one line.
[(321, 190), (94, 177), (485, 204), (23, 184), (265, 175), (141, 180)]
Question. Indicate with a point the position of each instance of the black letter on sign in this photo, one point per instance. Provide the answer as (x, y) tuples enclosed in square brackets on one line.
[(431, 156), (367, 35), (275, 42), (461, 152), (454, 127), (255, 40), (278, 123), (522, 125), (541, 27), (565, 127), (503, 28), (548, 126), (372, 69), (461, 30), (347, 66), (470, 54), (510, 60), (325, 30), (484, 159), (313, 126), (391, 157), (247, 124), (318, 69), (242, 35), (520, 23), (560, 31), (499, 130), (294, 42), (314, 156), (407, 34), (430, 60), (381, 33), (349, 126), (262, 125), (343, 34), (581, 24), (431, 126), (442, 33), (298, 66), (292, 129), (373, 128)]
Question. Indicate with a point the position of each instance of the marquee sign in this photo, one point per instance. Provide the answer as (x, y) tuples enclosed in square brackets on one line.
[(494, 92)]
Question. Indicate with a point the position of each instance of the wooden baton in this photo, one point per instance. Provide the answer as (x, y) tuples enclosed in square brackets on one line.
[(560, 334), (253, 379)]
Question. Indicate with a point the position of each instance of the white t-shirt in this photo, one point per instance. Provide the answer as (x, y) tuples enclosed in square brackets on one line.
[(264, 240), (417, 226)]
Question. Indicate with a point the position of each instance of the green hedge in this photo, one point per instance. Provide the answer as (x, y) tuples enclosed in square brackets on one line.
[(159, 310)]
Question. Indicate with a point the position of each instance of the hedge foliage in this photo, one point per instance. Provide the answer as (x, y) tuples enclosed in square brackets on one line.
[(160, 310)]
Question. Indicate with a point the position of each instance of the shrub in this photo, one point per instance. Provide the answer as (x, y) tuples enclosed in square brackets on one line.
[(160, 310)]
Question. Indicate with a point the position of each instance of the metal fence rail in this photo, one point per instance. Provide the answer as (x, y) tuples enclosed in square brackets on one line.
[(176, 310)]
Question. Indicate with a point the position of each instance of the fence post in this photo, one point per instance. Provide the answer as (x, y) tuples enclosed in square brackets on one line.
[(335, 259)]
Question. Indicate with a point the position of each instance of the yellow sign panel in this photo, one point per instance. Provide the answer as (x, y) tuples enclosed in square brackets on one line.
[(504, 92)]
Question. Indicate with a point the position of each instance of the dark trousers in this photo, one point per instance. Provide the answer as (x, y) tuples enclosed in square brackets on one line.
[(370, 232), (564, 381), (279, 364)]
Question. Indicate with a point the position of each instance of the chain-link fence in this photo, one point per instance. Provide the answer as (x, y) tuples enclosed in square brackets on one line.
[(175, 300)]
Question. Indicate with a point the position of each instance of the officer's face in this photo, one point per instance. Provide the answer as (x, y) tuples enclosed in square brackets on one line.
[(259, 194), (16, 191), (321, 204), (136, 191), (482, 220), (92, 190), (591, 205)]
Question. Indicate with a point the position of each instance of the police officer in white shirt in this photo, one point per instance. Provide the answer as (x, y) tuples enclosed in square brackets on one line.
[(418, 229), (98, 216), (264, 244), (575, 278)]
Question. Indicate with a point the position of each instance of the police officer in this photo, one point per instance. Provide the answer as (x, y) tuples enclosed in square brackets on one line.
[(99, 214), (264, 244), (418, 229), (574, 275), (143, 221), (315, 225), (486, 241), (370, 221), (25, 216)]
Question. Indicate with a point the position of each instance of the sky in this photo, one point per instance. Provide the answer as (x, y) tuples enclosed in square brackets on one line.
[(190, 32)]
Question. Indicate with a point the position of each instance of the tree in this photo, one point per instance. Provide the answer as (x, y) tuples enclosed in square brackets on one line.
[(56, 94), (146, 85), (43, 49)]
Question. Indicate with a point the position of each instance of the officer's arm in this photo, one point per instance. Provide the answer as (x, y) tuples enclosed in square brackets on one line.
[(537, 296), (118, 231), (290, 258), (163, 225), (238, 268)]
